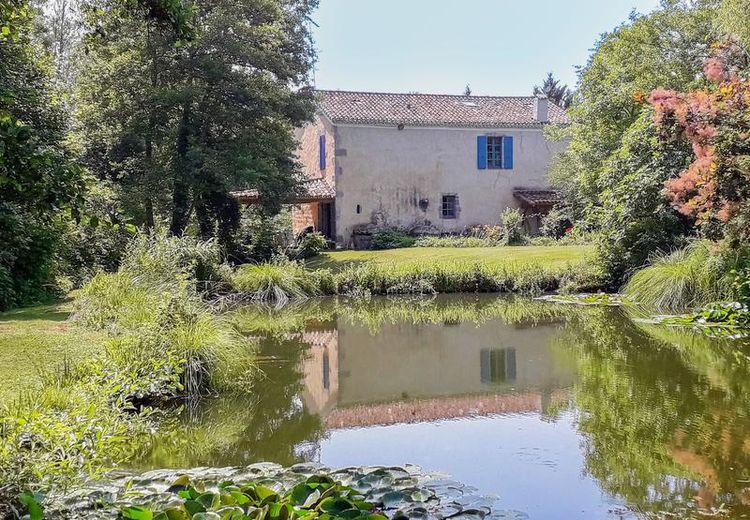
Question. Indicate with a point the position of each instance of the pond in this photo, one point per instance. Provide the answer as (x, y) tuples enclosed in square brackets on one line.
[(563, 411)]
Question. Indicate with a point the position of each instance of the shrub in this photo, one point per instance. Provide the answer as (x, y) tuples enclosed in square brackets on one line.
[(556, 223), (392, 239), (97, 241), (80, 427), (686, 278), (262, 236), (458, 241), (155, 259), (153, 310), (309, 245), (27, 267), (512, 221)]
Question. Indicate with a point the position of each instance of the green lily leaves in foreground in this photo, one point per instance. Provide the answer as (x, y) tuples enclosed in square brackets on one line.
[(317, 498)]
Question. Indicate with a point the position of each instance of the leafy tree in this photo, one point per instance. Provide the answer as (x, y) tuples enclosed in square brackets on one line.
[(559, 94), (715, 188), (38, 181), (192, 118), (603, 170), (467, 90), (734, 18)]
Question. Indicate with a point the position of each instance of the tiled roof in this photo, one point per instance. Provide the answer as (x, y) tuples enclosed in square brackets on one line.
[(536, 197), (315, 190), (377, 108)]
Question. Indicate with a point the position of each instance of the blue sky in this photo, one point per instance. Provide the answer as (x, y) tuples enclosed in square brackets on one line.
[(499, 47)]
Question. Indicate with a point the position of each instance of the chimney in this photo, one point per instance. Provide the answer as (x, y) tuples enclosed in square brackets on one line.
[(541, 109)]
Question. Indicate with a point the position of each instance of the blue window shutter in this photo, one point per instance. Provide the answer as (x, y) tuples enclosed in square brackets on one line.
[(507, 153), (322, 152), (481, 152)]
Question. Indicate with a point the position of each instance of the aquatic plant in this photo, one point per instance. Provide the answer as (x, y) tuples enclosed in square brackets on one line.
[(319, 497)]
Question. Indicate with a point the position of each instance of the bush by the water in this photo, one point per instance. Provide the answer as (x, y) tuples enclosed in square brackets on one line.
[(687, 278)]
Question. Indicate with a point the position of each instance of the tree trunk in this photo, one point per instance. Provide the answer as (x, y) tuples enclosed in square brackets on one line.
[(181, 188)]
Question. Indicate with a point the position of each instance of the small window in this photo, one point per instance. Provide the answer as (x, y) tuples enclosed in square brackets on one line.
[(359, 209), (497, 365), (495, 152), (448, 207)]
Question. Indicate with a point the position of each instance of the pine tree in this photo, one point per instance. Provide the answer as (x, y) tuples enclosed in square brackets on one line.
[(560, 95)]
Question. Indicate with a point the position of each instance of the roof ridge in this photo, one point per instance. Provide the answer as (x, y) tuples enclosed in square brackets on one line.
[(419, 94)]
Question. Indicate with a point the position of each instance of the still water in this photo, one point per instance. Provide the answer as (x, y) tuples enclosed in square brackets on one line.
[(562, 411)]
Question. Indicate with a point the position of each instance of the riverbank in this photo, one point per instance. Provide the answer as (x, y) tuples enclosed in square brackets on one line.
[(549, 256)]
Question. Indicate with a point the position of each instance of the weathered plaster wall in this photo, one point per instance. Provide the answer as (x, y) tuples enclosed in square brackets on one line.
[(387, 171), (308, 150)]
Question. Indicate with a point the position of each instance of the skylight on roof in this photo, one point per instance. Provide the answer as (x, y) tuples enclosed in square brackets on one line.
[(469, 103)]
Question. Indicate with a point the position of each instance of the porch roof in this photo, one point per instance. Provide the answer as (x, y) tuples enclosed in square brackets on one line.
[(532, 197), (313, 190)]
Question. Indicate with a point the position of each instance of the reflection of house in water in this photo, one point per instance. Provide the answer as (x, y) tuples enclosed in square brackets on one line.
[(321, 370), (409, 373)]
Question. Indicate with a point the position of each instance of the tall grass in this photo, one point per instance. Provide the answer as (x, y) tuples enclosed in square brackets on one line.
[(276, 282), (156, 317), (280, 283), (687, 278)]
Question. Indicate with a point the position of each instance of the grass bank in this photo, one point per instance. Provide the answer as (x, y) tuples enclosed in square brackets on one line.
[(524, 270), (548, 256), (39, 340)]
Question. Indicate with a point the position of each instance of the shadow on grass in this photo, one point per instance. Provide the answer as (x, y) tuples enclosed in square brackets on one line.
[(51, 312)]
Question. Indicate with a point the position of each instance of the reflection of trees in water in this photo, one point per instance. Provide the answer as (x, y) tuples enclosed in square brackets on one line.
[(665, 413), (241, 429)]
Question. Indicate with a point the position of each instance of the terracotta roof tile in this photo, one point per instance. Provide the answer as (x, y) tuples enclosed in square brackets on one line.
[(537, 197), (315, 190), (377, 108)]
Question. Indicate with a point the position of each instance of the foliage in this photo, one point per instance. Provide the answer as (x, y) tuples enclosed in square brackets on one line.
[(732, 315), (392, 239), (159, 324), (512, 222), (427, 278), (560, 95), (319, 497), (557, 223), (686, 278), (178, 121), (262, 236), (636, 219), (715, 187), (77, 426), (38, 180), (97, 242), (309, 245), (734, 19), (613, 172)]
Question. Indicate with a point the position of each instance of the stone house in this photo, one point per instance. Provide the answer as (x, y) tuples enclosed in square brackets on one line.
[(423, 161)]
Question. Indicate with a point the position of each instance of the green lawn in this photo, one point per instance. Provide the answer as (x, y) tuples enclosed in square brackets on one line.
[(518, 255), (38, 339)]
